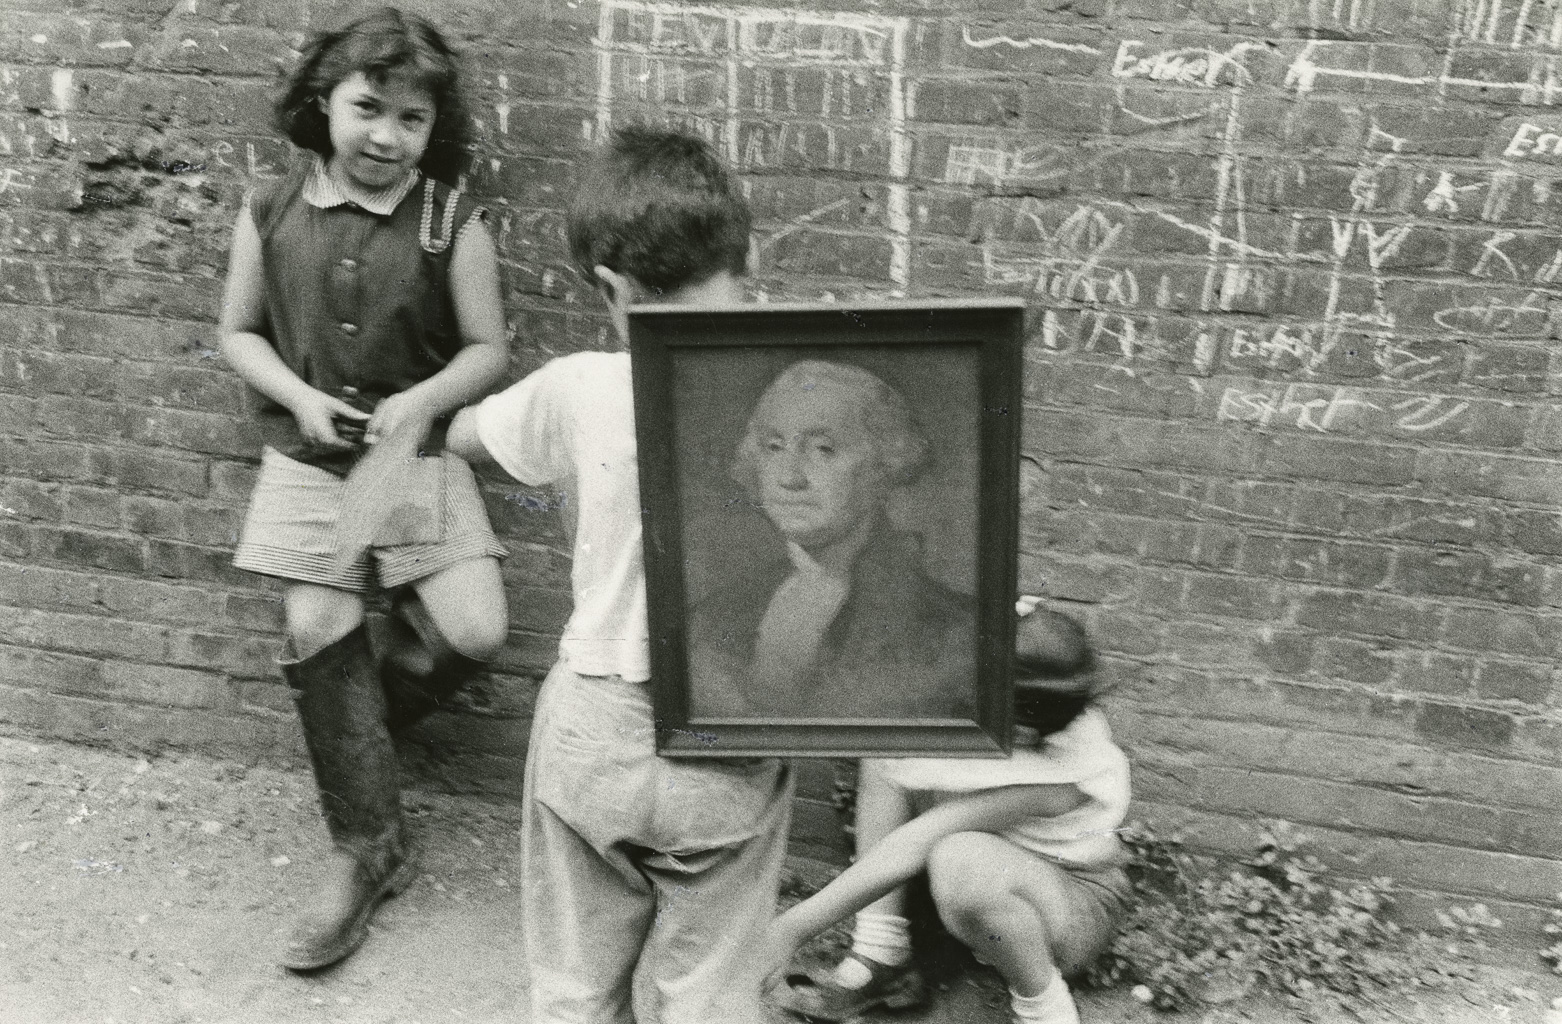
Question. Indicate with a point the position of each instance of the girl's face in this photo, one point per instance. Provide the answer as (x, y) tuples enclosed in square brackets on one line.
[(378, 131)]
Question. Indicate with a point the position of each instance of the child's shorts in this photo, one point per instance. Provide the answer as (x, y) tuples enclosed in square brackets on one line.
[(290, 529), (1110, 890)]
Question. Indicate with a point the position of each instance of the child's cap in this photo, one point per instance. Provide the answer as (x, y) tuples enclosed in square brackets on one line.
[(1049, 644), (1053, 682)]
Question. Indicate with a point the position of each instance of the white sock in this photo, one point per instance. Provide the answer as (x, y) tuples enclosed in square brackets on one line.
[(1053, 1006), (885, 938)]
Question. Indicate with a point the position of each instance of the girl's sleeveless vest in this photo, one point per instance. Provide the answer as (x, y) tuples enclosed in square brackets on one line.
[(357, 304)]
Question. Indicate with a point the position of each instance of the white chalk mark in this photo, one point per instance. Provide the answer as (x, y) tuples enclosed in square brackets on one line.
[(502, 108), (1167, 122), (967, 164), (1191, 65), (797, 223), (11, 178), (1023, 44), (1548, 273), (1444, 196), (1304, 72), (1203, 354), (1491, 248), (1520, 23), (60, 88), (1049, 328), (1292, 407), (1425, 414), (898, 201), (732, 125), (660, 36), (604, 70), (117, 44), (1219, 241)]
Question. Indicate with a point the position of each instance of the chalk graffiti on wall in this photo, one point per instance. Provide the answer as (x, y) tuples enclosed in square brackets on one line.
[(769, 86), (1333, 409), (1360, 252), (1307, 72), (782, 89), (1513, 23), (1027, 43), (1190, 65)]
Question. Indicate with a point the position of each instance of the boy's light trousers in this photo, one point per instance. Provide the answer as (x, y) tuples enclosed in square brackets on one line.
[(646, 882)]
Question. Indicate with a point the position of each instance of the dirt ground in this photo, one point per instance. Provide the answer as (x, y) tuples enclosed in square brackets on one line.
[(138, 891)]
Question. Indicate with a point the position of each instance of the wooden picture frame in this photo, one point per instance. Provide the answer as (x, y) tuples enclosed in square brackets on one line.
[(830, 513)]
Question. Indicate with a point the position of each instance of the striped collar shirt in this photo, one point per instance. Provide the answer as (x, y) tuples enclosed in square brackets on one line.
[(323, 191)]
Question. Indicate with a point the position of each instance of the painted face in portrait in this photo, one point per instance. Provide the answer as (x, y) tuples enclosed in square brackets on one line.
[(821, 475)]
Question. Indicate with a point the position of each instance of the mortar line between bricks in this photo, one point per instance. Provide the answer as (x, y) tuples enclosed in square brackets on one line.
[(1389, 787), (1356, 689), (174, 321)]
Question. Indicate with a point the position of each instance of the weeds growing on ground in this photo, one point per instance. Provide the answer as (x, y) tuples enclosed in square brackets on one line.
[(1552, 954), (1270, 920)]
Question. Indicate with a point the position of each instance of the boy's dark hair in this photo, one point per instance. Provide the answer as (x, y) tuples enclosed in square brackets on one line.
[(658, 205), (1053, 682), (387, 42)]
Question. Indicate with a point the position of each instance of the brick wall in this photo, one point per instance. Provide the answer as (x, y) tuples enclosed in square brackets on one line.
[(1292, 407)]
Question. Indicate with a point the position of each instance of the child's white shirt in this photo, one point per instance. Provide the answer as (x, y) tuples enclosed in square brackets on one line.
[(1082, 755), (570, 427)]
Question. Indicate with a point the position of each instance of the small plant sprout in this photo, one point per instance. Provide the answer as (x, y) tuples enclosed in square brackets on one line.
[(1272, 920), (1552, 954)]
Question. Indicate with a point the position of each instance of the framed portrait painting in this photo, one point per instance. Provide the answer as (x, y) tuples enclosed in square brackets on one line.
[(830, 513)]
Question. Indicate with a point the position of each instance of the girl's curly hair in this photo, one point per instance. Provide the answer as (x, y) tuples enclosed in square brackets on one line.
[(387, 42)]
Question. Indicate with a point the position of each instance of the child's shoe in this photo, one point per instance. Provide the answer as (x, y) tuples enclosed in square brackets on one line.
[(823, 998), (1054, 1005)]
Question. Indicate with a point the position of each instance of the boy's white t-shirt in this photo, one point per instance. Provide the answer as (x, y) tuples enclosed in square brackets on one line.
[(1082, 755), (570, 426)]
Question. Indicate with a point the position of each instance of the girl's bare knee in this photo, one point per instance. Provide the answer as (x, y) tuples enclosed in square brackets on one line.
[(319, 616), (477, 629), (466, 602), (479, 640), (958, 877), (953, 857)]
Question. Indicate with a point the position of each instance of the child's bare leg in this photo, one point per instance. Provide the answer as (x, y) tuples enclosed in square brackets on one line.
[(466, 602), (1019, 913), (439, 639), (318, 616), (881, 932), (881, 935), (341, 708), (882, 807)]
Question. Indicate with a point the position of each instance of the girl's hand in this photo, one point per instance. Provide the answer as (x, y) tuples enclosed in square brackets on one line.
[(316, 412), (775, 954), (399, 411)]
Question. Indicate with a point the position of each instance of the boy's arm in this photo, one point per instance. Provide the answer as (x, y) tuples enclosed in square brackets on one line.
[(904, 852), (252, 356), (463, 441), (474, 292)]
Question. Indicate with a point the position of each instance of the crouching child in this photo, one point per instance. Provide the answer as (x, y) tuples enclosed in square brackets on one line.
[(1021, 855)]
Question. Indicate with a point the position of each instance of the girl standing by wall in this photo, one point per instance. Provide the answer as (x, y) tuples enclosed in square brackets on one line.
[(363, 305)]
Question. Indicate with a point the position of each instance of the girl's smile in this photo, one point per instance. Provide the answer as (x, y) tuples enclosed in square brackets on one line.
[(379, 130)]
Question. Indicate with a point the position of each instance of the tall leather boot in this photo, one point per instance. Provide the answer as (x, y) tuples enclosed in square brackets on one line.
[(418, 668), (342, 709)]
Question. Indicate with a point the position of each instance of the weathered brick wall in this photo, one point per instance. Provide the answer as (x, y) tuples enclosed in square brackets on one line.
[(1292, 415)]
